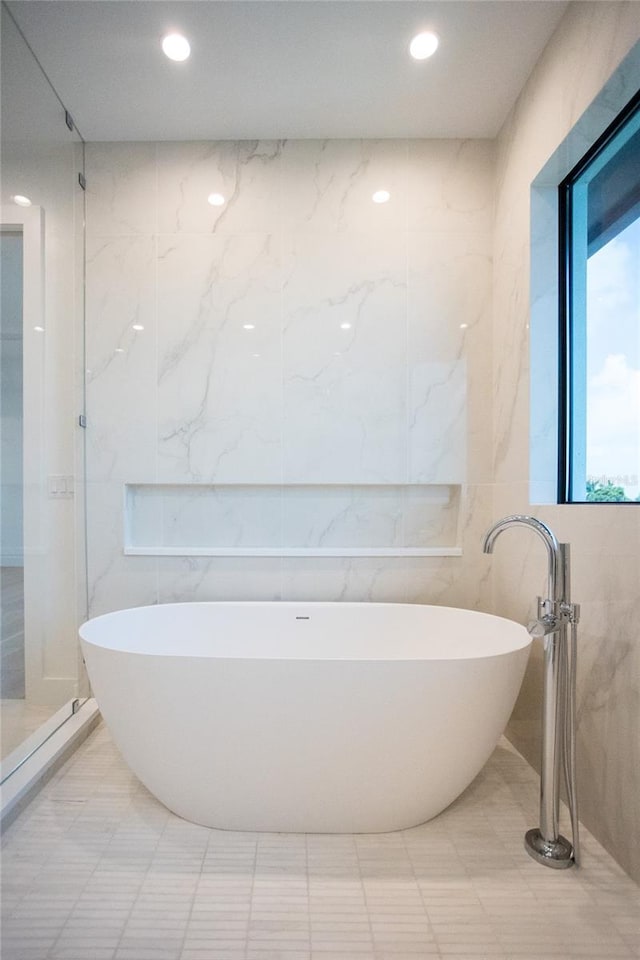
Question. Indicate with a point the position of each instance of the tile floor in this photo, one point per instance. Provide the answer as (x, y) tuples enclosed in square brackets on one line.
[(18, 720), (96, 869)]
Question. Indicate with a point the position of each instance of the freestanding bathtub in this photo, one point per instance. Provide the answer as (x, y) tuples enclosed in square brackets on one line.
[(305, 717)]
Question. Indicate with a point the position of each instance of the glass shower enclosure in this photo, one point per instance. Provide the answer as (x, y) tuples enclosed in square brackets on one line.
[(42, 558)]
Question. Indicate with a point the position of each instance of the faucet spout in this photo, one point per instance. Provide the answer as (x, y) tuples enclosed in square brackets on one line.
[(554, 566)]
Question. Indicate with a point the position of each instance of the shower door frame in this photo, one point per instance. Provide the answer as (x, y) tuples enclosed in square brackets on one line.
[(39, 687)]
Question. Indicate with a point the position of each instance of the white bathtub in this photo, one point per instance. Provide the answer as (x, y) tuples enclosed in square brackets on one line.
[(305, 717)]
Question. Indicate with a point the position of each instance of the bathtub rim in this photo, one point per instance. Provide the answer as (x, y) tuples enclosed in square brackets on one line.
[(519, 630)]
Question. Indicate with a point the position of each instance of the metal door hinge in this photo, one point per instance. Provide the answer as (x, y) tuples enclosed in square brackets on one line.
[(75, 706), (82, 421), (82, 181), (68, 119)]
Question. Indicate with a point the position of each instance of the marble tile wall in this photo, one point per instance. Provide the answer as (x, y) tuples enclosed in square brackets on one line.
[(298, 334), (590, 43)]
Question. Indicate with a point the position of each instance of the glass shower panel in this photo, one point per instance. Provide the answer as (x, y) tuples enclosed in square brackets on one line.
[(12, 672), (42, 576)]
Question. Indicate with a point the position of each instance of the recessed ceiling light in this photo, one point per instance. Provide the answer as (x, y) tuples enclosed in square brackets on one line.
[(39, 329), (118, 350), (381, 196), (22, 201), (463, 326), (215, 199), (137, 326), (423, 45), (248, 326), (345, 326), (176, 47)]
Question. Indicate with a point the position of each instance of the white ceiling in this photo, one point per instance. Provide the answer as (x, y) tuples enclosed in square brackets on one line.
[(286, 68)]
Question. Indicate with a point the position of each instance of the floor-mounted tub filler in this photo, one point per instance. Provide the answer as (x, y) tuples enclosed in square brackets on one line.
[(305, 717), (557, 623)]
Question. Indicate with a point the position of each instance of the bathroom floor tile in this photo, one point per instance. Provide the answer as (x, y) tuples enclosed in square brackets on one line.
[(96, 869)]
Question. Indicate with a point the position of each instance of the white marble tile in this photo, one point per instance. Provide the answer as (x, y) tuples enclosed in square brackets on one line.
[(450, 186), (328, 185), (241, 516), (449, 291), (121, 189), (608, 683), (375, 579), (246, 173), (121, 361), (143, 515), (430, 516), (434, 580), (511, 369), (188, 579), (344, 359), (449, 357), (115, 581), (437, 406), (318, 516), (219, 383), (475, 516)]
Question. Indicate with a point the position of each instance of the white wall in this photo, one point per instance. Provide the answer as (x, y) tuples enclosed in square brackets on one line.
[(590, 43), (401, 397)]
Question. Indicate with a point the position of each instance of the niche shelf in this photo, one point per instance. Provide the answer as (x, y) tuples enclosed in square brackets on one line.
[(290, 520)]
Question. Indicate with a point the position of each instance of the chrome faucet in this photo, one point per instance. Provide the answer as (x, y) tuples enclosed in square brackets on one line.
[(549, 539), (555, 612), (550, 609)]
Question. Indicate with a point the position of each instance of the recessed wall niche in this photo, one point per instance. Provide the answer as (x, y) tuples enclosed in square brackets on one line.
[(330, 520)]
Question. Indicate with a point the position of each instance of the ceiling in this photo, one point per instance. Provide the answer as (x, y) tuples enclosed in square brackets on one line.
[(286, 68)]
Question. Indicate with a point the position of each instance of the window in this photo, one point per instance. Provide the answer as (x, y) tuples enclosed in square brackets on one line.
[(599, 207)]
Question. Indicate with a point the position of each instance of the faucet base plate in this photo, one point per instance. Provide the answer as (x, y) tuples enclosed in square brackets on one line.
[(557, 854)]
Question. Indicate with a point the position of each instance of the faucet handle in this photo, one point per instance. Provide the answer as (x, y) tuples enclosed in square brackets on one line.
[(543, 627), (546, 621), (545, 607)]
